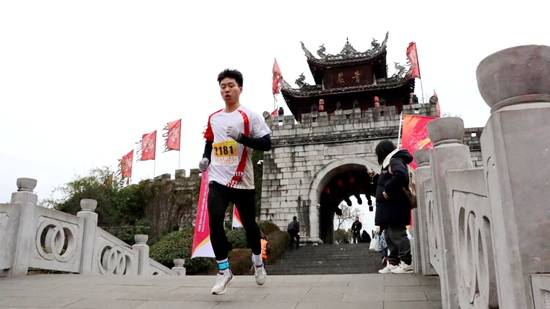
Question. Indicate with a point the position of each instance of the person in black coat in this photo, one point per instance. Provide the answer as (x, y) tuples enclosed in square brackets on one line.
[(365, 237), (393, 210), (356, 229), (293, 230)]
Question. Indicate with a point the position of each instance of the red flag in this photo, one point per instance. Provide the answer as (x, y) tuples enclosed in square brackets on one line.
[(148, 146), (126, 164), (172, 141), (415, 134), (413, 59), (201, 239), (275, 112), (437, 105), (277, 78)]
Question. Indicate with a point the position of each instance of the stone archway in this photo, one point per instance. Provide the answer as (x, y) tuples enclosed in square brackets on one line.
[(320, 180)]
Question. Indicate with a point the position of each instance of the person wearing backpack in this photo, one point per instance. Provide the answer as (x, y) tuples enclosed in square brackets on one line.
[(294, 230), (393, 205)]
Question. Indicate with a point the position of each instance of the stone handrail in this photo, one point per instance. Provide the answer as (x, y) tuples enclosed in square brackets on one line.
[(485, 230), (32, 236)]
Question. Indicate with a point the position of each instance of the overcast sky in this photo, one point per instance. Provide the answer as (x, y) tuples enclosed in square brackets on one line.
[(81, 81)]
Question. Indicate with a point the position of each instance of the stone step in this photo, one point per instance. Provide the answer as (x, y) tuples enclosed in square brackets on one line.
[(331, 258), (321, 271), (327, 259)]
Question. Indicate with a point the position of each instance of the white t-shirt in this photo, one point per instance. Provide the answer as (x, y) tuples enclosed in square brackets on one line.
[(230, 161)]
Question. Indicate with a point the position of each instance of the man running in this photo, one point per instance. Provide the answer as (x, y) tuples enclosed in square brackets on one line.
[(232, 133)]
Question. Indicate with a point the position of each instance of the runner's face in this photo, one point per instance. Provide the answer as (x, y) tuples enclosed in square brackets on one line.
[(230, 90)]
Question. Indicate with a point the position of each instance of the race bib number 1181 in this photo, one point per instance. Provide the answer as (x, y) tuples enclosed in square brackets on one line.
[(225, 153)]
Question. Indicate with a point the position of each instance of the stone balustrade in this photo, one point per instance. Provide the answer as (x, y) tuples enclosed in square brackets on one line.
[(36, 237), (485, 230)]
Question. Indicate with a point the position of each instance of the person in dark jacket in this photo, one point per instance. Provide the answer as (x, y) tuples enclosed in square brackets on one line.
[(356, 229), (294, 230), (393, 211)]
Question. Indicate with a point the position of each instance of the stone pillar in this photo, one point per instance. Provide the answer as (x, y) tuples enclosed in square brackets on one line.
[(26, 232), (143, 254), (178, 267), (314, 223), (420, 215), (515, 145), (448, 154), (87, 213)]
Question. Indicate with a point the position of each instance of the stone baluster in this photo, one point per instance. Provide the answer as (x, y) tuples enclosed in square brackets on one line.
[(178, 267), (515, 145), (448, 154), (90, 217), (420, 214), (27, 225), (143, 254)]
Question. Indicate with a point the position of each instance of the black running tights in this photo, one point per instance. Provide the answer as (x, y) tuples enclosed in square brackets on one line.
[(219, 197)]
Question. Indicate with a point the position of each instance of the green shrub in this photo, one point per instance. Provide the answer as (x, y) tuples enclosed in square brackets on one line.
[(341, 236), (178, 245), (268, 227), (278, 244), (237, 238), (241, 261)]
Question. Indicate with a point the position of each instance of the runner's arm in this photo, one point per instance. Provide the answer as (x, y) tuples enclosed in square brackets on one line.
[(262, 143), (207, 150)]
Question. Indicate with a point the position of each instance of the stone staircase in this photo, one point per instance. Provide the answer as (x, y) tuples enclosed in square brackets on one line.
[(327, 259)]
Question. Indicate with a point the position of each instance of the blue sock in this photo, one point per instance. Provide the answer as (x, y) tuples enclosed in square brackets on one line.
[(223, 265)]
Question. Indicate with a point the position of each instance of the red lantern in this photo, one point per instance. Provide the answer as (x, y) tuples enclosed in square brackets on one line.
[(376, 102), (321, 105)]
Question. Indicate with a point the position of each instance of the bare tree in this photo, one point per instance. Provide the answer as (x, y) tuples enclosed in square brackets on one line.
[(450, 114), (348, 213)]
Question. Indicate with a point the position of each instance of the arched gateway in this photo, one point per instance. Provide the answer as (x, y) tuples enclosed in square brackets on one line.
[(321, 152), (321, 217)]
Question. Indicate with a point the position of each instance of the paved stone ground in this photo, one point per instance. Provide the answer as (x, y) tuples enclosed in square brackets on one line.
[(364, 291)]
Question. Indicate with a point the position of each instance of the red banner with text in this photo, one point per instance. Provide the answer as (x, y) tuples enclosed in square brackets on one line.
[(126, 164), (173, 135), (277, 78), (415, 134), (148, 146), (412, 55), (202, 247)]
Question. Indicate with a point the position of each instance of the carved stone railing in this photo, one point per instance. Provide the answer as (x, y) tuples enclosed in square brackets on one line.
[(485, 230), (472, 238), (32, 236), (420, 215)]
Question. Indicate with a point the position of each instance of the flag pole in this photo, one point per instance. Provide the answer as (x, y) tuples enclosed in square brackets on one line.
[(422, 88), (155, 163), (419, 76), (399, 133), (179, 159)]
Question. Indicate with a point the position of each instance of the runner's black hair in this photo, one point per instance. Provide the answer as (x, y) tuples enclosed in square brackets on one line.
[(383, 149), (235, 74)]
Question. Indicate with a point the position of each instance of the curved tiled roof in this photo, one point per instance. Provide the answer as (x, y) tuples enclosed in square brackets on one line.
[(348, 53), (388, 83)]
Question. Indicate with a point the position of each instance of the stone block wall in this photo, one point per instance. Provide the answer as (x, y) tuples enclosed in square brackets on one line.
[(303, 152), (173, 201), (472, 139)]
